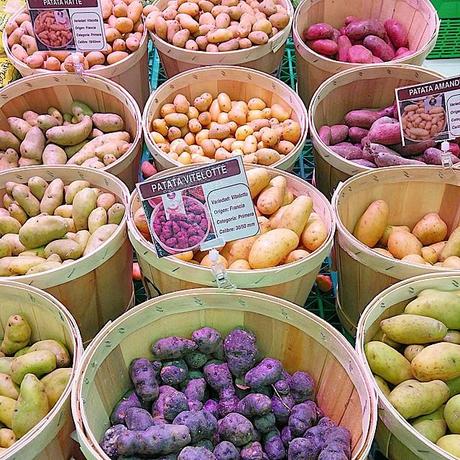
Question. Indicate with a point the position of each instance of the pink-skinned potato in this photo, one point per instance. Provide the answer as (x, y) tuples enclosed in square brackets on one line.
[(359, 54), (343, 44), (325, 47), (379, 48), (396, 32), (319, 31)]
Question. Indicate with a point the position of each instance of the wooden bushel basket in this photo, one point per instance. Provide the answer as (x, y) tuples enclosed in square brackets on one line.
[(265, 58), (396, 438), (239, 84), (418, 16), (364, 87), (131, 73), (49, 319), (95, 288), (59, 89), (292, 282), (411, 192), (301, 340)]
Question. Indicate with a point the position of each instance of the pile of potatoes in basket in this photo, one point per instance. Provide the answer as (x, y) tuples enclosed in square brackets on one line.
[(415, 357), (123, 32), (289, 229), (209, 129), (360, 41), (427, 243), (219, 25), (33, 377), (44, 226), (81, 137), (215, 398), (372, 137)]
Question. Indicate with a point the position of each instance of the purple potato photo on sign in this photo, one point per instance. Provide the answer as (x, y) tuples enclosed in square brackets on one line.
[(180, 232)]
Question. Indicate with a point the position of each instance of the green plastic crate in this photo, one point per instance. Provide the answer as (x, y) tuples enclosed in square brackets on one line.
[(447, 8), (448, 44)]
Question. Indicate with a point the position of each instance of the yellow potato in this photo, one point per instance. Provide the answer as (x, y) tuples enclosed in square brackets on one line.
[(372, 223), (430, 229), (429, 254), (272, 247), (450, 443), (411, 351), (438, 361), (206, 261), (452, 247), (383, 252), (402, 244), (390, 228), (315, 233), (296, 214), (239, 264), (415, 259), (258, 179), (295, 255), (272, 197), (452, 262)]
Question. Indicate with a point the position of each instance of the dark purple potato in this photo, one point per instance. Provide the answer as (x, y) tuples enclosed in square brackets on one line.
[(130, 399)]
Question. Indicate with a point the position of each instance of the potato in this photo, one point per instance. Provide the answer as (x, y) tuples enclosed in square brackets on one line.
[(272, 247), (413, 399), (413, 329), (441, 305), (451, 414), (415, 259), (440, 361), (452, 262), (272, 197), (430, 229), (452, 247), (258, 179), (388, 363), (206, 261), (371, 225), (429, 255), (450, 443), (383, 252), (315, 233), (402, 244), (388, 229), (296, 214), (295, 255), (411, 351)]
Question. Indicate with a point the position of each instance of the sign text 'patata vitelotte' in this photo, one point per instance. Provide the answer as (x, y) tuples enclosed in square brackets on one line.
[(199, 208)]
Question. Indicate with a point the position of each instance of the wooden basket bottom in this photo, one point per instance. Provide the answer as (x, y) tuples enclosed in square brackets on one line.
[(345, 320), (157, 283), (327, 177)]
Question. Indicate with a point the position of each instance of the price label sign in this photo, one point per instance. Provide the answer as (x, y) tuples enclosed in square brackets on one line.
[(429, 111), (67, 25), (200, 208)]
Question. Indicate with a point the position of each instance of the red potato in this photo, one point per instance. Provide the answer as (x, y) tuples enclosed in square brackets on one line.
[(136, 272), (397, 33), (359, 54), (324, 283), (347, 151), (357, 134), (401, 51), (325, 134), (148, 169), (358, 30), (339, 133), (363, 162), (454, 149), (362, 118), (405, 54), (350, 19), (343, 44), (379, 48), (433, 156), (324, 46), (318, 32), (385, 133)]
